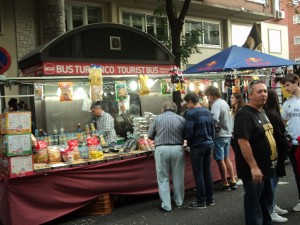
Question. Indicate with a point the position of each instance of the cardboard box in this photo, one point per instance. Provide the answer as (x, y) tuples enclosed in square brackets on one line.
[(16, 122), (16, 166), (16, 144)]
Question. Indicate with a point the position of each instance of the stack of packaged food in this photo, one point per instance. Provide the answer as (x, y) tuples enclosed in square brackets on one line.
[(15, 144)]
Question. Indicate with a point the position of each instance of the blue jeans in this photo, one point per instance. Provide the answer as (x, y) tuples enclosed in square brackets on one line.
[(257, 202), (201, 160), (221, 149), (274, 182)]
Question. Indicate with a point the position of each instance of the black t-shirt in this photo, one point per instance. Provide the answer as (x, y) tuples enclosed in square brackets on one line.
[(254, 125)]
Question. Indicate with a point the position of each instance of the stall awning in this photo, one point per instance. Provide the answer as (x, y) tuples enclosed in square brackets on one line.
[(119, 49)]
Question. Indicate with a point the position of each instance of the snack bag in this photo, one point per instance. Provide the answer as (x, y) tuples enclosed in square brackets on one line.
[(66, 91), (93, 145), (144, 89), (41, 155), (54, 154), (73, 144), (67, 155), (120, 88)]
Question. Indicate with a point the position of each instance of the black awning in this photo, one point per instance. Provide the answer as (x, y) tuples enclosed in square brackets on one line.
[(101, 42)]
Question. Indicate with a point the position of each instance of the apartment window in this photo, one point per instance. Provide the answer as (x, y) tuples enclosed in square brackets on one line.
[(155, 26), (211, 34), (79, 15), (295, 2), (275, 41), (297, 40), (296, 19)]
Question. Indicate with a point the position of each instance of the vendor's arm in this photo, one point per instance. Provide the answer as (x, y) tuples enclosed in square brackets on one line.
[(246, 150)]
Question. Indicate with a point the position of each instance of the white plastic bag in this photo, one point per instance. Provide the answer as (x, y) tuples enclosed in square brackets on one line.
[(87, 102)]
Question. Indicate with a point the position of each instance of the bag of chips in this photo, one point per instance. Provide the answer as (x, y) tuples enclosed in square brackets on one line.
[(41, 155)]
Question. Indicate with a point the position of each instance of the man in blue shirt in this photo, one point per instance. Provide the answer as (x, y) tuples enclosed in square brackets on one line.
[(167, 132), (199, 132)]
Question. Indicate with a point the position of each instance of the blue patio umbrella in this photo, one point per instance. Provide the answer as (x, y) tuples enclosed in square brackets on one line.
[(238, 58)]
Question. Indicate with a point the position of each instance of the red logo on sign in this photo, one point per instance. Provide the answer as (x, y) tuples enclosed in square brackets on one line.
[(5, 60), (49, 68), (254, 60), (212, 63)]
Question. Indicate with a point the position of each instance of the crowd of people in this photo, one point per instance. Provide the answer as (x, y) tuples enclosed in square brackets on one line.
[(256, 131)]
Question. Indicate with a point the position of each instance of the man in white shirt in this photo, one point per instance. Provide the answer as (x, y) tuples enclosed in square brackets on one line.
[(291, 115)]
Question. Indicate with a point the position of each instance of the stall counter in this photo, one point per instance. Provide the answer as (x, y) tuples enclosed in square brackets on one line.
[(43, 197)]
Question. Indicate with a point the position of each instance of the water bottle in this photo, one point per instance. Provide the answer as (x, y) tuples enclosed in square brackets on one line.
[(36, 132), (62, 129), (54, 130)]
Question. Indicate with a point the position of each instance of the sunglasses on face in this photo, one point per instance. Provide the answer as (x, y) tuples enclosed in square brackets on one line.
[(255, 82)]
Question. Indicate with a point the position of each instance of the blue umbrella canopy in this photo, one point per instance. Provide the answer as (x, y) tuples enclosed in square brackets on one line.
[(238, 58)]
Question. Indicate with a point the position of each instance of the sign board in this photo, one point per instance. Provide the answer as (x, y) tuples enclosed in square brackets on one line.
[(5, 60), (82, 69)]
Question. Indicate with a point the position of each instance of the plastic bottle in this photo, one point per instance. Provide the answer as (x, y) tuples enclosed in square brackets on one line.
[(36, 132), (49, 141), (87, 129), (102, 140), (78, 128), (84, 151), (62, 129), (92, 128), (54, 130)]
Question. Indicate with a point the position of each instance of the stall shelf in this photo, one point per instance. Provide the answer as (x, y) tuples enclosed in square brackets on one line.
[(42, 197)]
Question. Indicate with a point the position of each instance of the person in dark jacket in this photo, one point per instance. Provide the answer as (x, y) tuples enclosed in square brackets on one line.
[(273, 112)]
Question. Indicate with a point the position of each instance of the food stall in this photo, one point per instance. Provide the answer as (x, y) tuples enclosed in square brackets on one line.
[(35, 193)]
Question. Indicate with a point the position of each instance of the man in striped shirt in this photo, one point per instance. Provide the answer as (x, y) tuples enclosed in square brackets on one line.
[(167, 132), (199, 132)]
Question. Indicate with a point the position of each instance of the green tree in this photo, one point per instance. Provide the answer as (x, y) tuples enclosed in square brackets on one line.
[(182, 46)]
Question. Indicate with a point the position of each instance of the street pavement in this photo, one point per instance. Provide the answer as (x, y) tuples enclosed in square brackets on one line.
[(143, 210)]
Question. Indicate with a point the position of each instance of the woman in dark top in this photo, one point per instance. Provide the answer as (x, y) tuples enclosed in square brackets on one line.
[(272, 110)]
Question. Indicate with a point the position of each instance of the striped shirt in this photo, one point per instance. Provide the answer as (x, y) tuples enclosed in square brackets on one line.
[(199, 129), (105, 125), (167, 129)]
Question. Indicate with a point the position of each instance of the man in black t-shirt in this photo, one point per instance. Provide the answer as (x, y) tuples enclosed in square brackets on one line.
[(256, 155)]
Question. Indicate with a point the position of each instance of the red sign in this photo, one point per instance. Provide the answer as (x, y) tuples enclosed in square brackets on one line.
[(5, 60), (81, 69)]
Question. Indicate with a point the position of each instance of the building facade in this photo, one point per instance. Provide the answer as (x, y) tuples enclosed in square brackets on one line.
[(26, 24)]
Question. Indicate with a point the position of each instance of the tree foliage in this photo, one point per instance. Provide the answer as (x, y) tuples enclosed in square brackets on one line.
[(182, 46)]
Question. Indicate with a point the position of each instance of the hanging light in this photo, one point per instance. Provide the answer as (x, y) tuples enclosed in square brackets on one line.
[(192, 86), (133, 85), (150, 83), (58, 92), (201, 87), (79, 93)]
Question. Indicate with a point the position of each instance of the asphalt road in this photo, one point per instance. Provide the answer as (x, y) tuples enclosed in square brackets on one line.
[(143, 210)]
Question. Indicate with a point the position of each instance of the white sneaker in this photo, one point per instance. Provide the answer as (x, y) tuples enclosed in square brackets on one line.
[(239, 182), (278, 219), (280, 211), (296, 208)]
